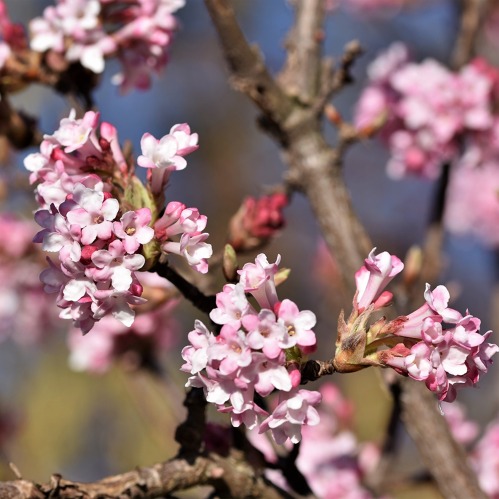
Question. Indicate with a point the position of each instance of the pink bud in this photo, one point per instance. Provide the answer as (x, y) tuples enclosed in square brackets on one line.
[(295, 376), (87, 252)]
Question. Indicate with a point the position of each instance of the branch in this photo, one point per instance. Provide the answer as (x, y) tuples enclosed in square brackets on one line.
[(315, 369), (230, 476), (190, 433), (300, 76), (431, 433), (201, 301), (248, 72), (469, 25), (315, 169)]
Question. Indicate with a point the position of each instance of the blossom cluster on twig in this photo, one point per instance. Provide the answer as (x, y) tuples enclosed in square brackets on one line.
[(103, 222), (334, 463), (259, 350), (138, 32), (431, 113), (434, 344), (429, 116)]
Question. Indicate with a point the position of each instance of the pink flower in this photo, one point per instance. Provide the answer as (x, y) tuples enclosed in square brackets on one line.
[(255, 352), (168, 151), (295, 410), (482, 354), (178, 219), (268, 335), (249, 414), (434, 344), (270, 374), (160, 153), (462, 429), (93, 213), (196, 354), (57, 233), (231, 350), (435, 308), (232, 305), (194, 249), (116, 303), (429, 111), (187, 142), (258, 279), (418, 362), (73, 134), (374, 276), (133, 228), (298, 323), (372, 107), (139, 33), (116, 265), (92, 54), (438, 300)]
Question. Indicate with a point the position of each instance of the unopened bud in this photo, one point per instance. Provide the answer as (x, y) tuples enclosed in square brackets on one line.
[(104, 144), (229, 264), (87, 252), (256, 221), (351, 342)]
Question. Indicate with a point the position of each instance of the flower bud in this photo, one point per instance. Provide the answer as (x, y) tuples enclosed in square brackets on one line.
[(256, 221)]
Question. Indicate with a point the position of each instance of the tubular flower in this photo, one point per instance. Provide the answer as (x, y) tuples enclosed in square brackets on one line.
[(256, 352), (434, 344), (99, 218)]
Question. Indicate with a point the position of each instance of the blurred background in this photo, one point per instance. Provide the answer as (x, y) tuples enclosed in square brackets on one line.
[(86, 426)]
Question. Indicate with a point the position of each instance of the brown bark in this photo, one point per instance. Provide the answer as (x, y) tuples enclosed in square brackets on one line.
[(231, 476), (315, 169)]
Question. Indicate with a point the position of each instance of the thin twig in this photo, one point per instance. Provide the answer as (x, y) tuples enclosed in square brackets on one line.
[(203, 302)]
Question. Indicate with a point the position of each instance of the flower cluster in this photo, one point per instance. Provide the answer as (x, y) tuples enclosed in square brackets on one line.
[(99, 218), (138, 32), (188, 224), (430, 112), (256, 352), (330, 458), (434, 344)]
